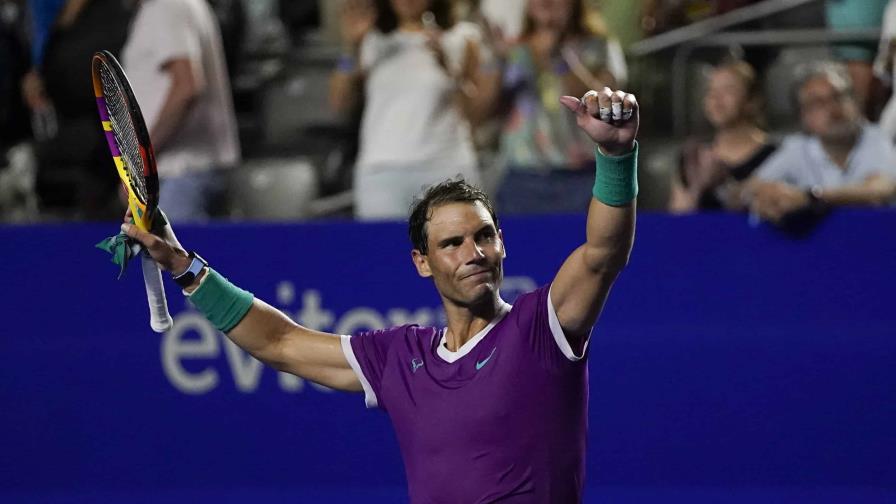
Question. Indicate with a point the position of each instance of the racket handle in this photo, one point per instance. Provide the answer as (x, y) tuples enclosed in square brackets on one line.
[(159, 319)]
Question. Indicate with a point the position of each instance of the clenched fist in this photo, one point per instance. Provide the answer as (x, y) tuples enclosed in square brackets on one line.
[(609, 117)]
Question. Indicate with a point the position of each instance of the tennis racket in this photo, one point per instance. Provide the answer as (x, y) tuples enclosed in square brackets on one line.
[(132, 152)]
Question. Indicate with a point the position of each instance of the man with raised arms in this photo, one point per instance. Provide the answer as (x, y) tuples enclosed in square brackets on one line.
[(492, 407)]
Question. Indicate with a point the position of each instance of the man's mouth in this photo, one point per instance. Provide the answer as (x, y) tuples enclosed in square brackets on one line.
[(477, 274)]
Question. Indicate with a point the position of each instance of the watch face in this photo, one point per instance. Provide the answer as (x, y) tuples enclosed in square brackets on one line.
[(198, 257), (186, 279)]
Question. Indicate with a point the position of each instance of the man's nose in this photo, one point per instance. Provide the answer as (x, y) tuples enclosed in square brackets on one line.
[(474, 252)]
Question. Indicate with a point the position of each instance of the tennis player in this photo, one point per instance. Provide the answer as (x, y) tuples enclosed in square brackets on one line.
[(494, 406)]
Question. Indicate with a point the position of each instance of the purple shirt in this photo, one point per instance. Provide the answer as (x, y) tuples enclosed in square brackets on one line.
[(503, 418)]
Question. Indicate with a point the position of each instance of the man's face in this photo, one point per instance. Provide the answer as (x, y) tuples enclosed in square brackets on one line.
[(465, 254), (826, 112)]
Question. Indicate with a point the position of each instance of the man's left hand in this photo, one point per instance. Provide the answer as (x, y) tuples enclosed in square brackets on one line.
[(609, 117)]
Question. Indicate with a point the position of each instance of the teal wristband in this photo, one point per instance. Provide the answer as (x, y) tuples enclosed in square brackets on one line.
[(616, 180), (222, 303)]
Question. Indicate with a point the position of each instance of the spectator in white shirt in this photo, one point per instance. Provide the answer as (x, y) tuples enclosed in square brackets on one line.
[(838, 160)]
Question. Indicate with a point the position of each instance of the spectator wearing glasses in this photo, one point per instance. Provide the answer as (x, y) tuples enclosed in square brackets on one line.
[(839, 159)]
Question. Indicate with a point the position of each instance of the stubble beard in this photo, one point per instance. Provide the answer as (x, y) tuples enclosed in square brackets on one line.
[(466, 298)]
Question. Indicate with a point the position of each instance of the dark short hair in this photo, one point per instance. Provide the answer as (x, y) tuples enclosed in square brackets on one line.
[(450, 191)]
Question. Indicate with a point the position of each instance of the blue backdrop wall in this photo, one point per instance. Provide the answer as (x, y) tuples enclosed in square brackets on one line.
[(732, 364)]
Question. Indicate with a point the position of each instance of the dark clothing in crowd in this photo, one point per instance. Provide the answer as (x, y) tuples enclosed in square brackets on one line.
[(75, 169), (14, 122), (710, 199)]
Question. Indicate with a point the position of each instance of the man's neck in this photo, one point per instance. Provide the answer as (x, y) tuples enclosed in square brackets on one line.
[(464, 322), (839, 152)]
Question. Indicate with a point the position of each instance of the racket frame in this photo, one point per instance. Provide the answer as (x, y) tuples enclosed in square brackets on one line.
[(142, 211)]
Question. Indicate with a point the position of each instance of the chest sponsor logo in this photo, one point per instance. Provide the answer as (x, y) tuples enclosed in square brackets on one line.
[(483, 362), (416, 364)]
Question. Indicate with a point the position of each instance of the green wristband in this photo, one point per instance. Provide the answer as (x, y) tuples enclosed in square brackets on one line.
[(222, 303), (616, 180)]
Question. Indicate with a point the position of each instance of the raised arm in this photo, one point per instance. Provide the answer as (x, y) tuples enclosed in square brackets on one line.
[(358, 18), (581, 286), (479, 85), (263, 331)]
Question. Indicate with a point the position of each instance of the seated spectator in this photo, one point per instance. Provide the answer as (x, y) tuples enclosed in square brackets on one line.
[(839, 159), (424, 81), (547, 157), (710, 173), (884, 67)]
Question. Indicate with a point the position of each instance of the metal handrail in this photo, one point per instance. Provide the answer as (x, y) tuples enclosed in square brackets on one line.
[(712, 25), (801, 36), (748, 38)]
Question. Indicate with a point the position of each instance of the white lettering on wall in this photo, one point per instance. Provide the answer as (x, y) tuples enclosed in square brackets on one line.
[(174, 349), (360, 318), (290, 383)]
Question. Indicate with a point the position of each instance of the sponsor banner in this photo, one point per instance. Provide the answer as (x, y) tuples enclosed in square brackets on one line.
[(727, 355)]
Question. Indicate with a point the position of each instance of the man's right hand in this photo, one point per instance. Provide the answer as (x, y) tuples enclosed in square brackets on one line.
[(614, 136), (161, 244)]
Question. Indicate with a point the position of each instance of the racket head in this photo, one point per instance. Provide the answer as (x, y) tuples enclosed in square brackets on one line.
[(127, 137)]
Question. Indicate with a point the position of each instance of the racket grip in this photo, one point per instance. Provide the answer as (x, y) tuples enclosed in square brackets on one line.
[(159, 319)]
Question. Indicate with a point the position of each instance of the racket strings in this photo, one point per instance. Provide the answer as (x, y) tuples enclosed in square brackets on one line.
[(124, 131)]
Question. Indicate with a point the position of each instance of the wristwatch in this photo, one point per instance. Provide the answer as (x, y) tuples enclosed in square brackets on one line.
[(816, 204), (815, 193), (186, 278)]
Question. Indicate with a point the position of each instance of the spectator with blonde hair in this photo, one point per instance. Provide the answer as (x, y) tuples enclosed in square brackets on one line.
[(709, 173)]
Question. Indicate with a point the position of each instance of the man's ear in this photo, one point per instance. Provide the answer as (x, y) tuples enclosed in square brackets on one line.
[(421, 262), (503, 245)]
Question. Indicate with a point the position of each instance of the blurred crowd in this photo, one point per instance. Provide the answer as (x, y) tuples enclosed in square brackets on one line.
[(418, 91)]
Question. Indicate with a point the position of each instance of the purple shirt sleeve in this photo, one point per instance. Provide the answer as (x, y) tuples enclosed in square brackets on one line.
[(367, 353), (537, 321)]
